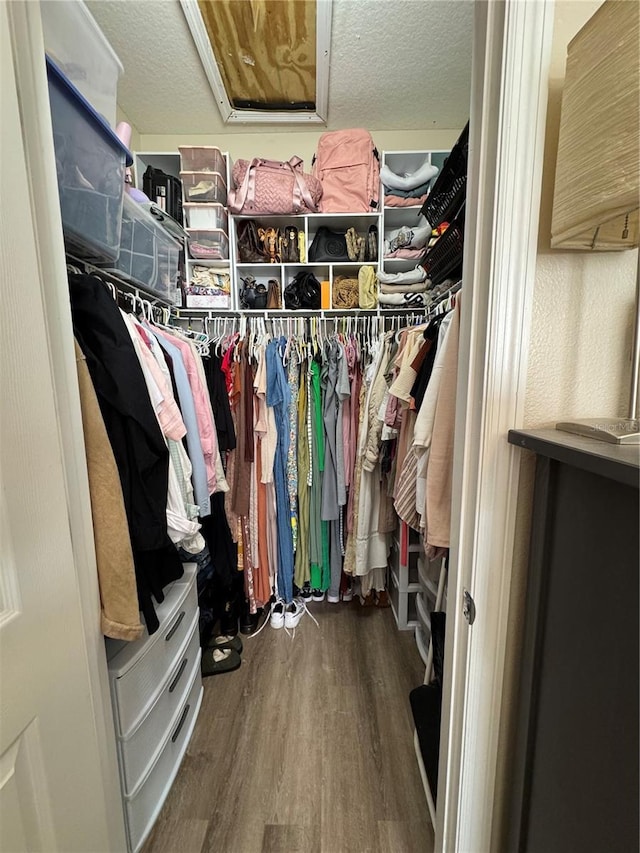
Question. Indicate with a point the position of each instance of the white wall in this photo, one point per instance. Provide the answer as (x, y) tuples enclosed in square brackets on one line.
[(581, 336), (279, 146), (579, 362)]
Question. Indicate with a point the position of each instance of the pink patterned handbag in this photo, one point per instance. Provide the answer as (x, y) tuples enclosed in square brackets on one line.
[(272, 187)]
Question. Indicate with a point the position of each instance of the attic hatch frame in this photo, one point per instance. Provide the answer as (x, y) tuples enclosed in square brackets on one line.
[(231, 115)]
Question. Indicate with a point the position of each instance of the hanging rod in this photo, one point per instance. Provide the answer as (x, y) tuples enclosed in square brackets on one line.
[(122, 285)]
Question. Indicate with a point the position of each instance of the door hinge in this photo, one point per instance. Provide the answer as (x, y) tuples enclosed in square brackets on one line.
[(469, 607)]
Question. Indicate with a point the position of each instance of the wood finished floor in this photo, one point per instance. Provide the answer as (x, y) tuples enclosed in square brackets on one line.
[(307, 748)]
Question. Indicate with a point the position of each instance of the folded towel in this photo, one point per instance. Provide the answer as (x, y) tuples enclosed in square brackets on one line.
[(407, 238), (423, 189), (408, 254), (404, 201), (403, 300), (419, 287), (415, 276), (408, 182)]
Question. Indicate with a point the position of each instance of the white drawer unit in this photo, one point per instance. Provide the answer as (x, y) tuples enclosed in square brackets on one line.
[(138, 673), (139, 750), (156, 691), (143, 806), (403, 605)]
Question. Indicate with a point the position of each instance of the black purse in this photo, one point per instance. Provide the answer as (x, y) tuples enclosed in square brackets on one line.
[(253, 295), (328, 247), (303, 292)]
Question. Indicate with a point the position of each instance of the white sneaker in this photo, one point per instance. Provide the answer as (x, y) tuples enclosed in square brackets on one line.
[(333, 599), (317, 595), (277, 614), (294, 613)]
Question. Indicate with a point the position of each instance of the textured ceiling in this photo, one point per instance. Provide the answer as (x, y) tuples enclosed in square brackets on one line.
[(395, 64)]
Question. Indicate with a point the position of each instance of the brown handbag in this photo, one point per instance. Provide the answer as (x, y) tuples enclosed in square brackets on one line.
[(250, 246), (274, 296)]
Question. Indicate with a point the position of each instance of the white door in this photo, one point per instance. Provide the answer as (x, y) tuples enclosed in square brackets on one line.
[(512, 43), (53, 786)]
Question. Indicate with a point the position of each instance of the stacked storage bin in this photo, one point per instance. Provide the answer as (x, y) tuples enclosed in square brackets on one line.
[(204, 180), (90, 167), (149, 256), (101, 223)]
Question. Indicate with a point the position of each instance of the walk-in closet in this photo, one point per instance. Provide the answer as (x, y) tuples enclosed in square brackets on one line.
[(266, 581)]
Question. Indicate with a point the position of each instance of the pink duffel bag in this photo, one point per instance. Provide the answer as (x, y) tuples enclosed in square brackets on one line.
[(272, 187)]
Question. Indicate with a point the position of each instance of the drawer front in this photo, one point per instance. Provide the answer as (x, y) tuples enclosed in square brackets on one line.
[(138, 688), (139, 752), (143, 807)]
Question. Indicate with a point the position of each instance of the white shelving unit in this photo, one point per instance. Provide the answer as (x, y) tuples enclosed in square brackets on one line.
[(168, 161), (307, 224), (387, 220), (404, 581), (393, 218)]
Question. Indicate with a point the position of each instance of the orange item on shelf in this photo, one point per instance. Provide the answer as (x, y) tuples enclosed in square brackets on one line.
[(325, 295)]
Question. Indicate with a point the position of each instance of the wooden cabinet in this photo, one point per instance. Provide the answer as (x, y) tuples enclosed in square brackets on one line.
[(575, 778)]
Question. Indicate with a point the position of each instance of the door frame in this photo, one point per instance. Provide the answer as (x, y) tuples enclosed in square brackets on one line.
[(509, 88), (33, 98), (512, 46)]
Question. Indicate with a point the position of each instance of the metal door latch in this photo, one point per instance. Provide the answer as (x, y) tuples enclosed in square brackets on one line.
[(469, 607)]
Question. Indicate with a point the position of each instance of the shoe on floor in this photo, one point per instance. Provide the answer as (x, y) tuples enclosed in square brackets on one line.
[(317, 595), (249, 623), (306, 594), (225, 641), (333, 599), (294, 613), (382, 598), (347, 595), (277, 614), (216, 661)]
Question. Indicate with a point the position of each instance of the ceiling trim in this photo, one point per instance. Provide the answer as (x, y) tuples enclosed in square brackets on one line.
[(232, 116)]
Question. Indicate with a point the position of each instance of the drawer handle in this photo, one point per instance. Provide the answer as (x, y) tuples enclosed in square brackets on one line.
[(180, 724), (175, 681), (175, 626)]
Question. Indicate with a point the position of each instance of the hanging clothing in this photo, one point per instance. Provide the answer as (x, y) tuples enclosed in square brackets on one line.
[(119, 613), (137, 442), (279, 399)]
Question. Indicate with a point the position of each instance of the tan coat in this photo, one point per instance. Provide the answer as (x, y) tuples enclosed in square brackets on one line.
[(120, 615), (440, 466)]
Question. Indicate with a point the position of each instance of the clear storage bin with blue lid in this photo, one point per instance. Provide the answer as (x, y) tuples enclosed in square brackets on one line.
[(90, 167)]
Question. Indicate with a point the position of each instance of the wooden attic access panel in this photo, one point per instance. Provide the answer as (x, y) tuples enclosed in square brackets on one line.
[(265, 51)]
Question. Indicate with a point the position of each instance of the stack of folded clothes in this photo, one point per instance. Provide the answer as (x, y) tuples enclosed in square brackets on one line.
[(407, 242), (403, 289), (407, 190)]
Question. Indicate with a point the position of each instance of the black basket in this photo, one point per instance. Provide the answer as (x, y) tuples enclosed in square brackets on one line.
[(449, 191), (443, 260)]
